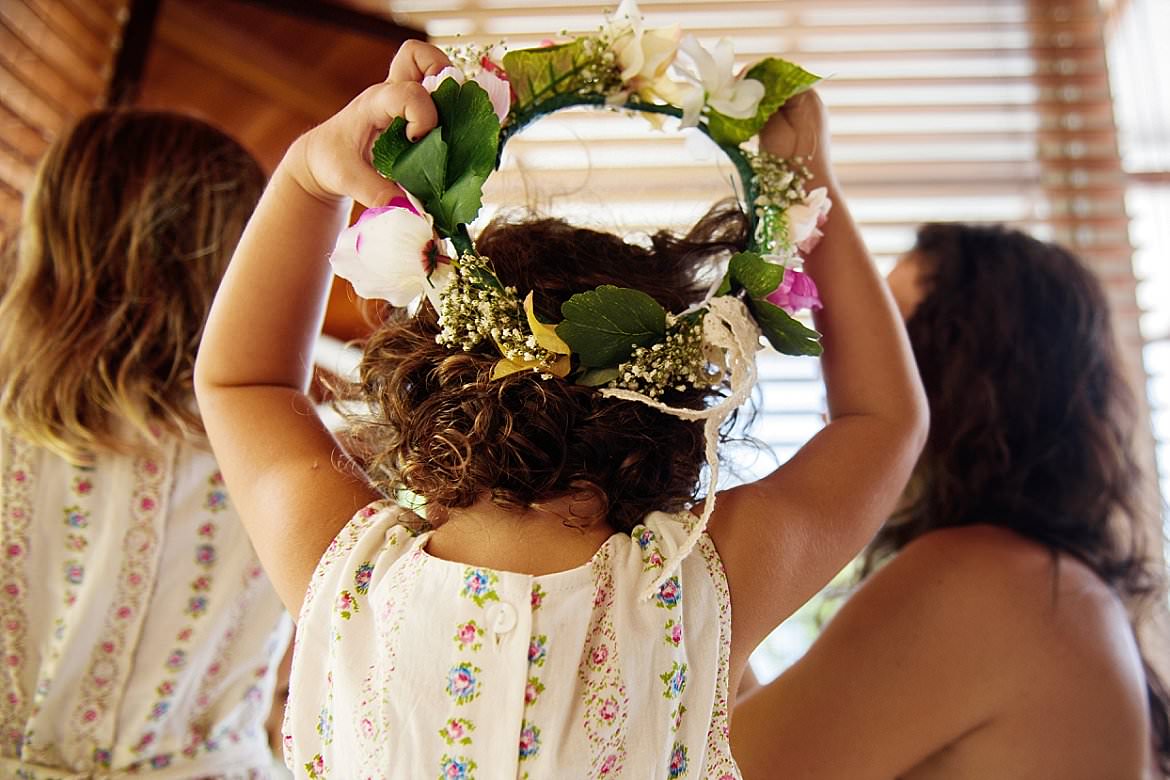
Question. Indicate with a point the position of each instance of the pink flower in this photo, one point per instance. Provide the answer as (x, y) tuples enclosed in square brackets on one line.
[(390, 254), (796, 291), (608, 710), (492, 79), (804, 219)]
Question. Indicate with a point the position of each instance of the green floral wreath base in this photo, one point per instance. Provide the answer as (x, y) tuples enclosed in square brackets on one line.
[(613, 336)]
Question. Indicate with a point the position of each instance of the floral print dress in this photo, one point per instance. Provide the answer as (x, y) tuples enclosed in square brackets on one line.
[(410, 666), (140, 635)]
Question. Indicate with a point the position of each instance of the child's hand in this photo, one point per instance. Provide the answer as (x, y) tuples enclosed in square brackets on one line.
[(800, 128), (332, 161)]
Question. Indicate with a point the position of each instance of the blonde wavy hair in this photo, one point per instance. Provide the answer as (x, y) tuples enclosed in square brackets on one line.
[(127, 228)]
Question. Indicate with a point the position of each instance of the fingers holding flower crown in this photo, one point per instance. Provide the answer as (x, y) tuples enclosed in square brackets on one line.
[(416, 60), (337, 152)]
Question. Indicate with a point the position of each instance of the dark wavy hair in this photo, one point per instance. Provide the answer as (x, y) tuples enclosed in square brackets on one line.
[(443, 429), (1031, 417)]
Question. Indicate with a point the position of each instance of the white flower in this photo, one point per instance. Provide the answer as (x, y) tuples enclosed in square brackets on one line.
[(713, 82), (390, 254), (643, 55), (498, 90), (431, 83), (804, 219)]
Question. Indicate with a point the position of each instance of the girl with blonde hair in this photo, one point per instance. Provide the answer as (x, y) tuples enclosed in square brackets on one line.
[(140, 634)]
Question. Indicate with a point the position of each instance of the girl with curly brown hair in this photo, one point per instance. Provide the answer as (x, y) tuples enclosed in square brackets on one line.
[(995, 639), (514, 637)]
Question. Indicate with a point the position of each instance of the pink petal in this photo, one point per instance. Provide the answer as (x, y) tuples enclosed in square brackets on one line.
[(498, 90), (796, 291)]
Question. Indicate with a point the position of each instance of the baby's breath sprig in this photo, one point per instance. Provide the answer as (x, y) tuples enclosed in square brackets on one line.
[(676, 362), (475, 307), (469, 57), (779, 184)]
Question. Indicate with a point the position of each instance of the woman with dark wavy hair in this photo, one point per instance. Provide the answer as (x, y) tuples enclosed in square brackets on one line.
[(992, 636)]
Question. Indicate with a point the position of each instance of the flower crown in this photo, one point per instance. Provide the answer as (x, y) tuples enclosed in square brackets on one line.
[(611, 337)]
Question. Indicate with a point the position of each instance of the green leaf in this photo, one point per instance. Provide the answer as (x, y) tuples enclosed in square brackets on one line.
[(596, 377), (422, 169), (470, 129), (784, 333), (538, 74), (604, 325), (749, 271), (459, 204), (782, 80), (389, 145)]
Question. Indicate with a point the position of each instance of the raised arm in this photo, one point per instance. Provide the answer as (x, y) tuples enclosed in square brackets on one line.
[(783, 537), (294, 487)]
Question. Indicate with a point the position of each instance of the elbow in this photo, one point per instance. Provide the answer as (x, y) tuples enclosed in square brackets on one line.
[(919, 419), (202, 379)]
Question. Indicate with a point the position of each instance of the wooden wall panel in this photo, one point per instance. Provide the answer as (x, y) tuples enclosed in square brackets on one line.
[(263, 75), (56, 57)]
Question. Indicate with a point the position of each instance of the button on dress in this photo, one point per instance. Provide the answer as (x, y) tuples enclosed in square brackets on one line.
[(410, 666)]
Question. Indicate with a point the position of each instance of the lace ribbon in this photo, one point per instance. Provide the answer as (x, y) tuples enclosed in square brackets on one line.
[(729, 326)]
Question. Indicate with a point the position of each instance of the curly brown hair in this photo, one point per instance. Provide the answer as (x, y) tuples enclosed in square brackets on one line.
[(443, 429), (1032, 421), (127, 228)]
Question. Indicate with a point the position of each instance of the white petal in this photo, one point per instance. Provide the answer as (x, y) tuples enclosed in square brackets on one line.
[(802, 221), (658, 49), (818, 200), (628, 11), (740, 101), (432, 82), (389, 265), (630, 55), (438, 282), (692, 106), (704, 63), (724, 60)]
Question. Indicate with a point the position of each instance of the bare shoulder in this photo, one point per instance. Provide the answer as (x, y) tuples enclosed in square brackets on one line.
[(1039, 618), (1010, 573), (1011, 580)]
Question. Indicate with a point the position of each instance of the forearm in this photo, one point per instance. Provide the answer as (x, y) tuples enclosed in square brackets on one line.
[(867, 363), (267, 312)]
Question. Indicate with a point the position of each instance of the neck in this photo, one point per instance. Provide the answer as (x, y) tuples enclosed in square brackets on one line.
[(540, 540)]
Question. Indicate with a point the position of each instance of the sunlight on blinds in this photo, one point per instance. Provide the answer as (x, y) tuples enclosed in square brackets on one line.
[(1140, 68)]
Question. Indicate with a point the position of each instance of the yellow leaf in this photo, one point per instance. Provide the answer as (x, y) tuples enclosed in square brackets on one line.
[(504, 367), (546, 335), (561, 367)]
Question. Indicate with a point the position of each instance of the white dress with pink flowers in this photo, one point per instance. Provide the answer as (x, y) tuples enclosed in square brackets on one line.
[(140, 635), (410, 666)]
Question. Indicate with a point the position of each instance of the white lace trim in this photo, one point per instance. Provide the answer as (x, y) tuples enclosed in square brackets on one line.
[(729, 326)]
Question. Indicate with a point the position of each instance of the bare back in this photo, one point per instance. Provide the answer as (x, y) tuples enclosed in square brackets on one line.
[(973, 654)]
